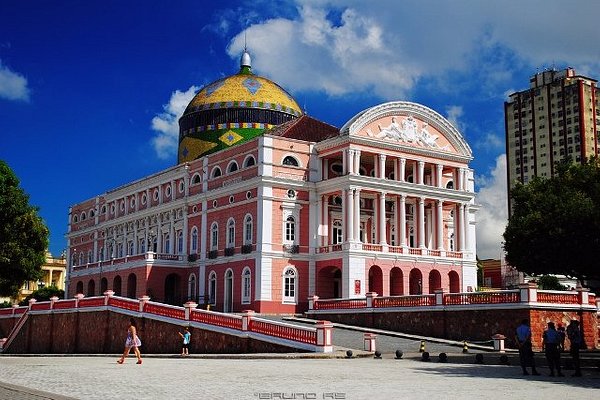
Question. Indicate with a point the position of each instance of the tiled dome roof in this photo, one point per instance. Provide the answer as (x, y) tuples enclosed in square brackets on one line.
[(233, 110)]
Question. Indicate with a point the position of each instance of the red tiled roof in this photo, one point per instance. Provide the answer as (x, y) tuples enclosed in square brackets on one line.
[(305, 128)]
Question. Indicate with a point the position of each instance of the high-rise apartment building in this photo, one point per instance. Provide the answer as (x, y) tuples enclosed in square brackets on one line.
[(558, 116)]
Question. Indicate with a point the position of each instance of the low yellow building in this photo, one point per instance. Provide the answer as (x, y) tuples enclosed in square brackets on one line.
[(54, 272)]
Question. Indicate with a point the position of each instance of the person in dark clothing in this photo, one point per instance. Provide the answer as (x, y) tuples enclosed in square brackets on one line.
[(551, 346), (523, 339), (575, 337)]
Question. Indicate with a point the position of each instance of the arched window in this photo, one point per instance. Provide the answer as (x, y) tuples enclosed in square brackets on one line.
[(212, 288), (180, 242), (246, 285), (83, 216), (290, 161), (194, 242), (214, 236), (450, 185), (290, 229), (192, 287), (249, 161), (337, 234), (90, 258), (216, 172), (231, 233), (196, 179), (167, 243), (130, 249), (119, 250), (75, 219), (101, 254), (80, 258), (248, 229), (289, 285), (142, 246), (232, 167)]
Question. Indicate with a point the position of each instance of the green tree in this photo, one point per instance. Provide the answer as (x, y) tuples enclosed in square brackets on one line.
[(43, 294), (550, 282), (23, 235), (555, 224)]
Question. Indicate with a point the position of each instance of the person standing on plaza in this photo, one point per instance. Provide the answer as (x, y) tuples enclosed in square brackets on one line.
[(563, 334), (575, 337), (186, 336), (551, 344), (523, 339), (132, 341)]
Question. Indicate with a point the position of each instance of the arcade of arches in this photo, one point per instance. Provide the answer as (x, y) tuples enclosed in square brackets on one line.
[(389, 282)]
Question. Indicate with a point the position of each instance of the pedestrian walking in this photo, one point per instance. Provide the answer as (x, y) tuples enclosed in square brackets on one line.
[(563, 335), (576, 341), (186, 336), (131, 342), (523, 339), (550, 345)]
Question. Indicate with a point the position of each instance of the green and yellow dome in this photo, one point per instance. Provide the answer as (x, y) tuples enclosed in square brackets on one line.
[(231, 111)]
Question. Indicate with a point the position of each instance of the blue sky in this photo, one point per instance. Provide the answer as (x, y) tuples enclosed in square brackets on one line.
[(90, 91)]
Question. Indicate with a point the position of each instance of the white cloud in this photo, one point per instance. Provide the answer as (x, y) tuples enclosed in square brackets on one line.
[(13, 86), (453, 114), (490, 141), (493, 215), (165, 142), (386, 47)]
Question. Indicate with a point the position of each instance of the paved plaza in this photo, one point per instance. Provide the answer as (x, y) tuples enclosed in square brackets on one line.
[(250, 378)]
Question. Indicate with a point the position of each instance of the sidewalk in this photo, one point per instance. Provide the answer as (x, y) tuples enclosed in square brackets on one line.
[(225, 378)]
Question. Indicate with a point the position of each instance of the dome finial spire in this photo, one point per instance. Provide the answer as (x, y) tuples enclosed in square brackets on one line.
[(245, 61)]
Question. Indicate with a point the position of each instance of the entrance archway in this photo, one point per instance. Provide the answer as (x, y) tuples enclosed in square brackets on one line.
[(435, 281), (91, 289), (132, 286), (173, 289), (415, 281), (117, 285), (376, 280), (454, 282), (329, 283), (396, 282)]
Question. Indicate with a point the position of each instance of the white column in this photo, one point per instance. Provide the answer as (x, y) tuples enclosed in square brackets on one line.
[(382, 235), (186, 229), (350, 161), (438, 177), (402, 173), (357, 215), (466, 227), (344, 162), (357, 162), (325, 169), (440, 225), (421, 222), (396, 169), (461, 228), (325, 220), (344, 217), (396, 222), (382, 158), (402, 230), (421, 172), (461, 179), (350, 213), (319, 211)]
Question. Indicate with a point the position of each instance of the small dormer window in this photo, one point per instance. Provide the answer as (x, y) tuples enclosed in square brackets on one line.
[(290, 161)]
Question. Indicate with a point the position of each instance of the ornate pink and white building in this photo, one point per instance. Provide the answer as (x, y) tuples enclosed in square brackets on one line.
[(268, 206)]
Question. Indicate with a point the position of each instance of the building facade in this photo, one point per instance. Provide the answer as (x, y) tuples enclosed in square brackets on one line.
[(54, 271), (268, 206), (557, 117)]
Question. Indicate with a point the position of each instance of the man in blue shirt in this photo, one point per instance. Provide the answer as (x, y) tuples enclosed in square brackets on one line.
[(551, 345), (523, 339)]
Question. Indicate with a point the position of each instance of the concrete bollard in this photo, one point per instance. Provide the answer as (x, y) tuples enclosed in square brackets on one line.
[(499, 342), (369, 341)]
